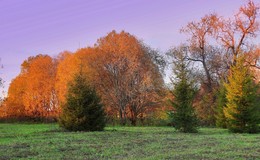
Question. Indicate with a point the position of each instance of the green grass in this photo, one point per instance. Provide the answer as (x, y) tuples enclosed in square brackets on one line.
[(47, 141)]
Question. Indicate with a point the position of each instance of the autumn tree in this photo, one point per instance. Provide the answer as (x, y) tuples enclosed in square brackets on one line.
[(15, 98), (200, 49), (242, 108), (67, 67), (113, 62), (234, 34), (14, 104), (32, 92), (38, 97), (145, 86), (209, 62), (252, 59), (63, 74), (125, 75), (183, 115), (82, 110)]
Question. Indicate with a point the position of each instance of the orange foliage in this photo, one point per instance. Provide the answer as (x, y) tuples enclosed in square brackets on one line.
[(123, 69), (32, 93), (124, 75), (68, 65), (40, 98), (253, 60), (15, 97), (234, 33)]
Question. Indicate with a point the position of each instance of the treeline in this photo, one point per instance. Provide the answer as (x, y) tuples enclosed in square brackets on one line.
[(125, 72), (217, 69)]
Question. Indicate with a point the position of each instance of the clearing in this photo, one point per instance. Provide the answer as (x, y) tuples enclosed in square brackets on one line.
[(47, 141)]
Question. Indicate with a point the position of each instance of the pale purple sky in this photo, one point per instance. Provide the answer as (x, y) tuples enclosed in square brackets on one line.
[(31, 27)]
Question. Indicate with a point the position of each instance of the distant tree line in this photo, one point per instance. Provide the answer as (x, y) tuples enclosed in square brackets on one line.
[(215, 79), (126, 73)]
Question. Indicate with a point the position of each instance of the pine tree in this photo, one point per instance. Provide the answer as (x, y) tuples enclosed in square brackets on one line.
[(220, 105), (183, 118), (83, 110), (242, 109)]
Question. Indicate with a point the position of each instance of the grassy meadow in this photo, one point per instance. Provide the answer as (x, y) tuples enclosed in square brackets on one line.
[(48, 141)]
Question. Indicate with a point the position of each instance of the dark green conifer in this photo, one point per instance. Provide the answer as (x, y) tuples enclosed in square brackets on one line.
[(83, 110), (183, 117)]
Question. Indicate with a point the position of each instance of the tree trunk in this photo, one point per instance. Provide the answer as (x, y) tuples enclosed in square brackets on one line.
[(133, 118), (133, 122), (121, 116), (124, 119), (209, 84)]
